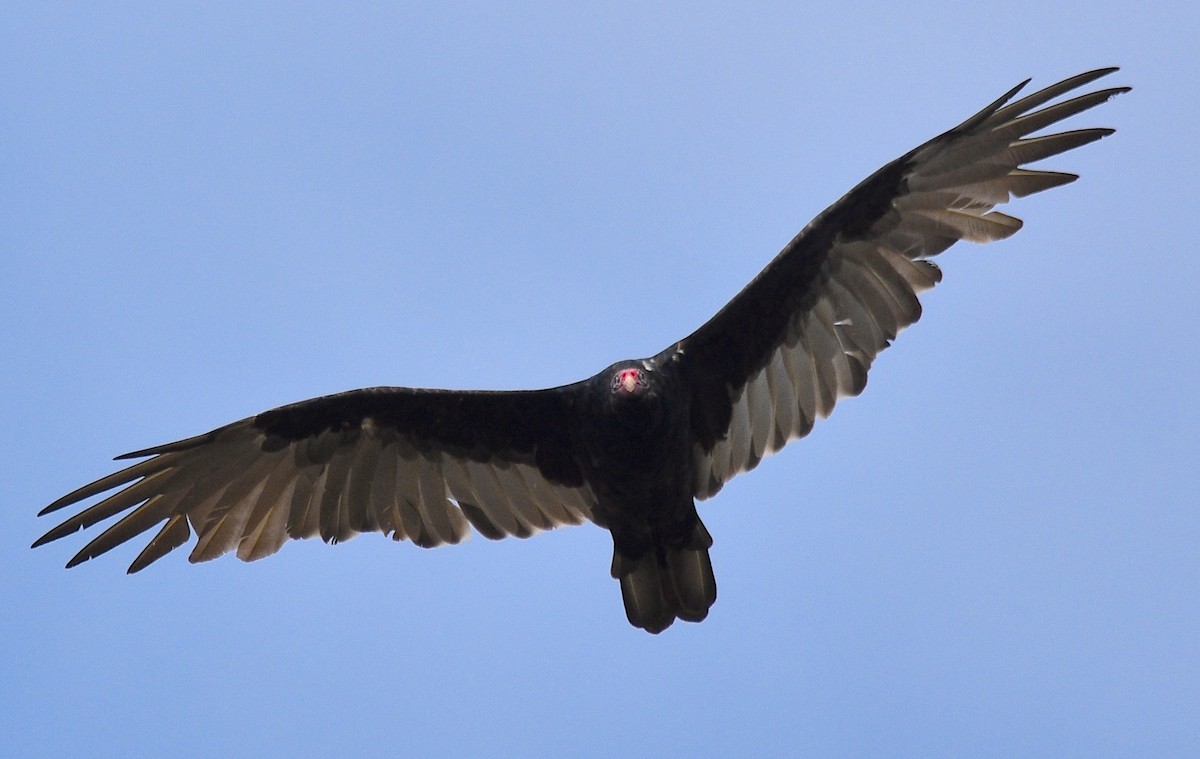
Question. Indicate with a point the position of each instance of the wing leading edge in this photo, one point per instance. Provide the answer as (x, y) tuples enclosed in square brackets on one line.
[(805, 331), (422, 465)]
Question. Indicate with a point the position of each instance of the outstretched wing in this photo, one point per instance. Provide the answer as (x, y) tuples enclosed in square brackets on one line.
[(804, 332), (415, 464)]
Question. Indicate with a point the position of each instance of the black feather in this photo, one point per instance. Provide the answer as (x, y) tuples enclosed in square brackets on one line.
[(631, 448)]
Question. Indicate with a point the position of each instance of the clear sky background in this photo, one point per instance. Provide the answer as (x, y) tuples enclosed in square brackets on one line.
[(210, 211)]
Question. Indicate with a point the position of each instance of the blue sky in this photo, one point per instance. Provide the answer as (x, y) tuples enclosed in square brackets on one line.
[(210, 211)]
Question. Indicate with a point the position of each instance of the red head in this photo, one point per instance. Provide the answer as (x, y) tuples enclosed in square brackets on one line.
[(628, 381)]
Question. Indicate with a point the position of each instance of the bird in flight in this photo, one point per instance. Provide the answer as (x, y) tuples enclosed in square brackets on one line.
[(631, 448)]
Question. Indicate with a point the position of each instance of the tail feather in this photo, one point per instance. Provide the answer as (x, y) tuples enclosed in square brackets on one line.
[(672, 582)]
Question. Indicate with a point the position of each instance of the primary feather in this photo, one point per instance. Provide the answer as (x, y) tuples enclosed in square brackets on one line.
[(632, 447)]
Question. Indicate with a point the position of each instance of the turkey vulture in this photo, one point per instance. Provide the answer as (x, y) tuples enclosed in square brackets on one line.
[(632, 447)]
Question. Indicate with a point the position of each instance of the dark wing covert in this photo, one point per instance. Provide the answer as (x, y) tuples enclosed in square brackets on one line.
[(417, 464), (804, 332)]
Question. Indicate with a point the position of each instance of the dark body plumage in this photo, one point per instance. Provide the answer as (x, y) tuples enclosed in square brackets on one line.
[(631, 448)]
